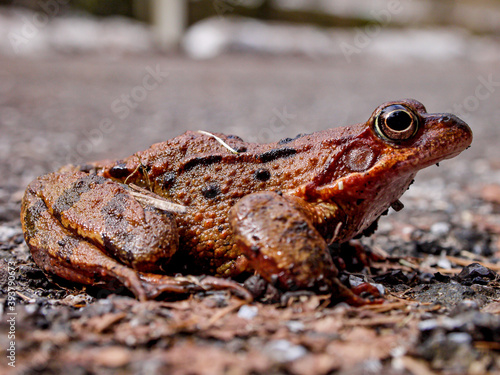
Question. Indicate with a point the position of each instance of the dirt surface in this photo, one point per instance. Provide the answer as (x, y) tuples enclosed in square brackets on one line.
[(441, 314)]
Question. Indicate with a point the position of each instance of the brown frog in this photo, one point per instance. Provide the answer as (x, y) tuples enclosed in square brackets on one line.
[(231, 206)]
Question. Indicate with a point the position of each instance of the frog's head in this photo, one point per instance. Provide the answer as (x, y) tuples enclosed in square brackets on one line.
[(374, 163)]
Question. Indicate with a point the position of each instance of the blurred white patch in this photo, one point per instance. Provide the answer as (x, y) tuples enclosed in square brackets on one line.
[(283, 351), (248, 312), (25, 32), (206, 40), (214, 36)]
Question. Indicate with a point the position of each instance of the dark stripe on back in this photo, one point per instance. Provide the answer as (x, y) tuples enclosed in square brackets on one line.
[(200, 160), (31, 218), (277, 154), (288, 140), (119, 170), (66, 246), (116, 236), (167, 180), (73, 194)]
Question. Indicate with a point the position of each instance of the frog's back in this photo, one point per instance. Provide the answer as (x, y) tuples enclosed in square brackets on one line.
[(199, 172)]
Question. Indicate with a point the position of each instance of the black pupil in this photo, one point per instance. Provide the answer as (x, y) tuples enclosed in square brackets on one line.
[(398, 120)]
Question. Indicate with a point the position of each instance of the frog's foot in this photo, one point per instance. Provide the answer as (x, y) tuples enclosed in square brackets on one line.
[(366, 288), (159, 284), (356, 296), (281, 243)]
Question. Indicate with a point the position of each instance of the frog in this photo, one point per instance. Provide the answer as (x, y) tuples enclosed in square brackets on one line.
[(196, 212)]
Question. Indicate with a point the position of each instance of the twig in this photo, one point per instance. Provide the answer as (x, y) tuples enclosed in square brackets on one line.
[(223, 312), (416, 367), (146, 197), (487, 345), (387, 306), (406, 263), (466, 262), (24, 297), (232, 150), (376, 321)]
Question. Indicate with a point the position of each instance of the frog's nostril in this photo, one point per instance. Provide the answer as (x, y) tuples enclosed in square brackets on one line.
[(450, 119), (451, 128), (459, 122), (454, 121)]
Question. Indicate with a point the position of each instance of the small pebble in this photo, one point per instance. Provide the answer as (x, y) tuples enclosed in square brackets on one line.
[(440, 229), (476, 273), (384, 227), (444, 263), (295, 326), (31, 308), (372, 366), (399, 351), (459, 337), (248, 312), (7, 233), (428, 325), (354, 281), (465, 306), (283, 351)]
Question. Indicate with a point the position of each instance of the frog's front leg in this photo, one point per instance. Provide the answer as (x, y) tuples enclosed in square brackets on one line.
[(88, 229), (284, 247)]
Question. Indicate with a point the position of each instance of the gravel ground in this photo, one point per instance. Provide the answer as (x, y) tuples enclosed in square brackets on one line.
[(75, 108)]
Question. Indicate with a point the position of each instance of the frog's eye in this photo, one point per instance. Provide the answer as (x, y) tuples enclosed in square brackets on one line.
[(396, 123)]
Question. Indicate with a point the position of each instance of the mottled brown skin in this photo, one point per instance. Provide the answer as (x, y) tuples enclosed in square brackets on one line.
[(272, 208)]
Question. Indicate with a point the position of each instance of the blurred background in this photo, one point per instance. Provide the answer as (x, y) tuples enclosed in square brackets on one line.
[(85, 80)]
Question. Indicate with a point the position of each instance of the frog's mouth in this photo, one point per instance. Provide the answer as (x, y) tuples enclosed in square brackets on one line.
[(441, 136)]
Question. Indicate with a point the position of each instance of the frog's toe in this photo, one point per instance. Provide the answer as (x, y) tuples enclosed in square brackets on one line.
[(363, 294), (367, 289), (155, 285)]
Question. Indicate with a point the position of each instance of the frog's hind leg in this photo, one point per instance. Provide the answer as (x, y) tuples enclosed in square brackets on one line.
[(59, 250)]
